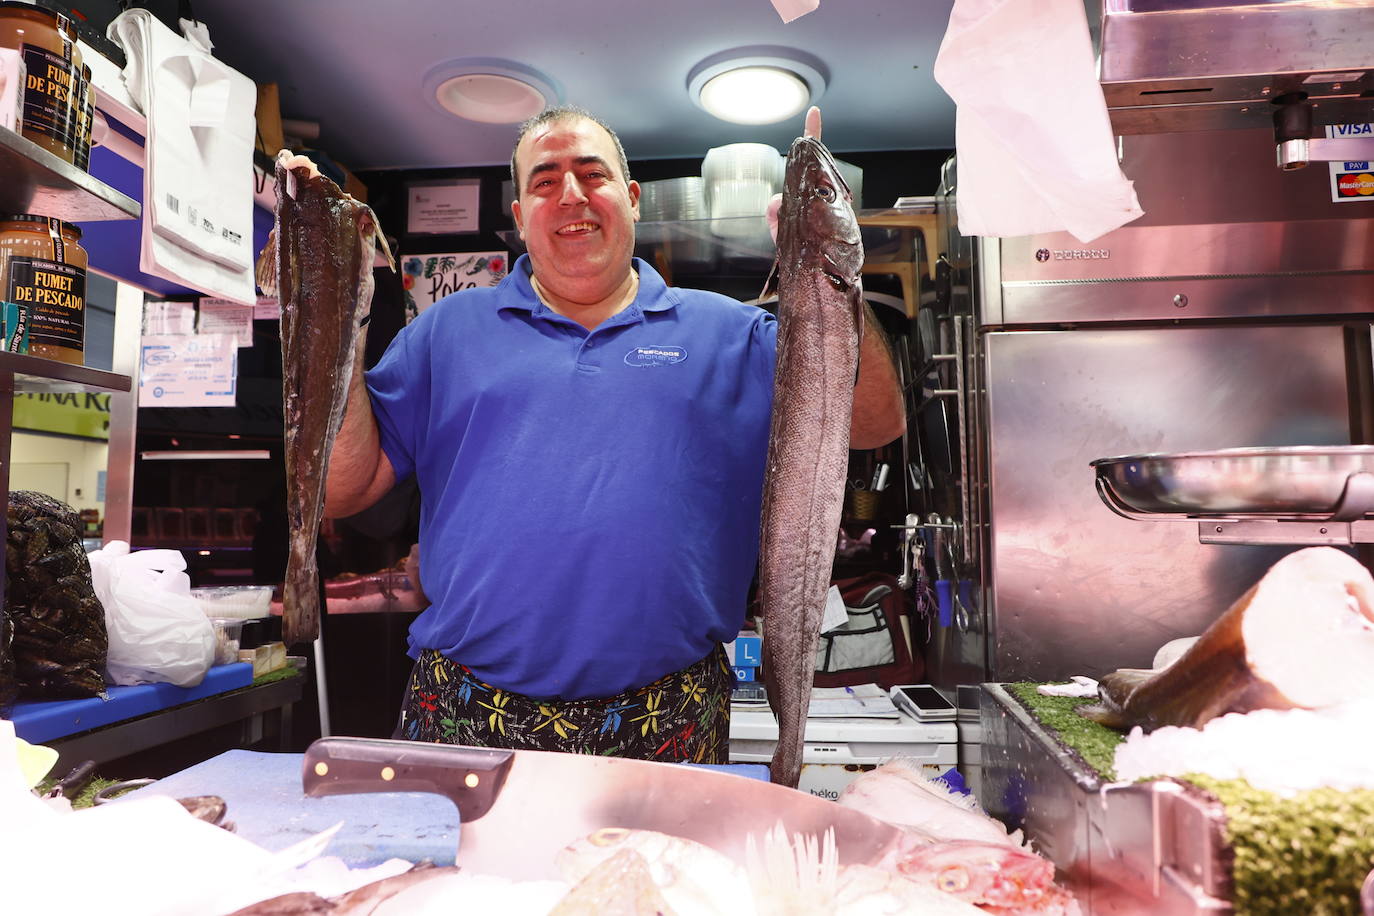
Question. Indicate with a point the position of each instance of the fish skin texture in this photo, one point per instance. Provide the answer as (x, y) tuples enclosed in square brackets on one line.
[(619, 886), (319, 260), (820, 308)]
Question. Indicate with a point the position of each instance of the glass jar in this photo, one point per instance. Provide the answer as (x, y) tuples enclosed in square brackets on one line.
[(46, 42), (43, 282), (85, 113)]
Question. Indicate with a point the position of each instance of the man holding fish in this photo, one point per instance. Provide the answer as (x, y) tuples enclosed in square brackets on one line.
[(590, 448)]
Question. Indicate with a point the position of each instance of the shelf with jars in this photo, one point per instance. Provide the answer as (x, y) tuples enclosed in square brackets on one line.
[(37, 181)]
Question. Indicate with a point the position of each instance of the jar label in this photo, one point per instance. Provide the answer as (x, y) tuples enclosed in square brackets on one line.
[(51, 95), (49, 299)]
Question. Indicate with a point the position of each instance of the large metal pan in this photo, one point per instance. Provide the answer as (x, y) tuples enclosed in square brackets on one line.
[(1298, 482)]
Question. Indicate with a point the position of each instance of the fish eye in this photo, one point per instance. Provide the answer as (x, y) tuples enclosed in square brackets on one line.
[(608, 836), (825, 193), (952, 879)]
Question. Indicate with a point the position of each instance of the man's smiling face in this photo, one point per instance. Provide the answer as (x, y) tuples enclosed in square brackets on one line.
[(575, 211)]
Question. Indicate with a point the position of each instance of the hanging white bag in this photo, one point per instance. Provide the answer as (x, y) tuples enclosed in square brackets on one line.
[(157, 630)]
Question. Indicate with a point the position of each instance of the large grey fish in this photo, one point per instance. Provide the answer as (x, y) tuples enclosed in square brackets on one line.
[(820, 322), (319, 263)]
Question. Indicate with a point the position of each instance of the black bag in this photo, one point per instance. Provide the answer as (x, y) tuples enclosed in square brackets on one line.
[(59, 644), (874, 647)]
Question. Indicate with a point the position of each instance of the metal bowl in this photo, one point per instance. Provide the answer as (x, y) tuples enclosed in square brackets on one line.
[(1291, 482)]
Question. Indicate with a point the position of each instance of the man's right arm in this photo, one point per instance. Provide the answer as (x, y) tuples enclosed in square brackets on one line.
[(359, 471)]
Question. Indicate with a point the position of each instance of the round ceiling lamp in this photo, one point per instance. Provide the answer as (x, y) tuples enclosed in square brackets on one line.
[(489, 90), (757, 85)]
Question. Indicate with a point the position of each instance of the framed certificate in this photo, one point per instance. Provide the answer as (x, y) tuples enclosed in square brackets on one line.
[(443, 207)]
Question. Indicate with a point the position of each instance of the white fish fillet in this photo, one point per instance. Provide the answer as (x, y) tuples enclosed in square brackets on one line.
[(899, 793)]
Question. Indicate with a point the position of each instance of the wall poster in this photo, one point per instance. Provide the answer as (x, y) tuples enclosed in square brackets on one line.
[(427, 278)]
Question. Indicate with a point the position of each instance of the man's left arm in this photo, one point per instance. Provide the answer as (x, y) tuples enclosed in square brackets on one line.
[(879, 413)]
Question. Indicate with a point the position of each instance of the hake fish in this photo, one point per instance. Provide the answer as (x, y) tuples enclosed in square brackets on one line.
[(820, 322), (1301, 637), (319, 262)]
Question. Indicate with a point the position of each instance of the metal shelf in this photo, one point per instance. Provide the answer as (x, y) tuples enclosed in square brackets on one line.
[(38, 182), (702, 243), (37, 375)]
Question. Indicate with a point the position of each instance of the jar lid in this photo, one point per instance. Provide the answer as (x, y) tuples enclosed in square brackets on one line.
[(42, 220), (62, 22)]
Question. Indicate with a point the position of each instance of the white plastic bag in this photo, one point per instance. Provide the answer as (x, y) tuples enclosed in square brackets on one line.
[(157, 631)]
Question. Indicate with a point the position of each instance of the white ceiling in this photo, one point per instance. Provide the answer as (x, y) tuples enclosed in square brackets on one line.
[(358, 68)]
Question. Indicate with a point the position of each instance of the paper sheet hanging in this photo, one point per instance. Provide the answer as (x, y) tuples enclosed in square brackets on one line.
[(1034, 144)]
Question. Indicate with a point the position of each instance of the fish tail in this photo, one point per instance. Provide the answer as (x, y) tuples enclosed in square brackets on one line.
[(1103, 714), (301, 598)]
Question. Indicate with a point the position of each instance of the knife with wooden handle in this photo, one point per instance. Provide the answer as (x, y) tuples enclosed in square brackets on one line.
[(519, 808)]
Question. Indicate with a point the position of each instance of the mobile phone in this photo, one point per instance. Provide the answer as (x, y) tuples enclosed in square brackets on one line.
[(924, 702)]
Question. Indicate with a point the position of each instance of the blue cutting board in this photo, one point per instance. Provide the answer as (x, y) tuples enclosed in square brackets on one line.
[(37, 721), (265, 802)]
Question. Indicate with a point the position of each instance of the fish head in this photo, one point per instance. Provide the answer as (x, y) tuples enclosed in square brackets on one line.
[(817, 228), (581, 855), (984, 873)]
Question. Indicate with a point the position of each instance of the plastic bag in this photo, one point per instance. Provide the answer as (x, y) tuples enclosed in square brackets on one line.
[(158, 632)]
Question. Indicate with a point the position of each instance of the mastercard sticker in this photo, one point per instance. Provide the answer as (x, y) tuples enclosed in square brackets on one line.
[(1352, 181)]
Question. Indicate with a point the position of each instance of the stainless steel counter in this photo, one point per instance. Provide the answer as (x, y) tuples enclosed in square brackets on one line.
[(1123, 849)]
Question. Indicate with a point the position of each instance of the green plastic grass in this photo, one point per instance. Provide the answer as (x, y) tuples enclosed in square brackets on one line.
[(1308, 854)]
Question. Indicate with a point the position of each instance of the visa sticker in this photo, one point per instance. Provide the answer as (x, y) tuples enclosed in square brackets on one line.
[(1352, 181)]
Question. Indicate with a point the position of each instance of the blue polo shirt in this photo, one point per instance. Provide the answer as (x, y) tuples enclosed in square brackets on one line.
[(590, 499)]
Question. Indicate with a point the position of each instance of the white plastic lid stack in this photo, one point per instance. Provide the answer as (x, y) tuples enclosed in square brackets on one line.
[(243, 602), (740, 179), (664, 207)]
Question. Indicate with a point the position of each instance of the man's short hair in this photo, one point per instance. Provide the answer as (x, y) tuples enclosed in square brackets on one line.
[(565, 113)]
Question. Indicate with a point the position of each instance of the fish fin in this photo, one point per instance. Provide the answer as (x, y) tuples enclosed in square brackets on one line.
[(768, 280), (265, 271), (380, 236), (914, 771), (792, 875), (857, 304)]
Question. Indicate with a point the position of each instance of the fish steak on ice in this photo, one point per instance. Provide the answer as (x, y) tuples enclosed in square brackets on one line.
[(1301, 637), (318, 261), (820, 323)]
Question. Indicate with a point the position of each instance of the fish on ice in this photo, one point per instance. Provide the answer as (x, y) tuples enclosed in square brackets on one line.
[(1301, 637)]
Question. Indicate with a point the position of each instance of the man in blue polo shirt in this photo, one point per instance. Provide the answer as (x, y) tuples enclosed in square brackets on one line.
[(589, 445)]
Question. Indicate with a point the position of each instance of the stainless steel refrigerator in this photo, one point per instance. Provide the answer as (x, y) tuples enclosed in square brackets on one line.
[(1236, 312)]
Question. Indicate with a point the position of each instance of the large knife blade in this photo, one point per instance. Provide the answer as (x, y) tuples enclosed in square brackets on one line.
[(519, 808)]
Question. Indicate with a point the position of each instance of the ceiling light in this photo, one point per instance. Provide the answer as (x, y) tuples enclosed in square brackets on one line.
[(489, 90), (757, 85)]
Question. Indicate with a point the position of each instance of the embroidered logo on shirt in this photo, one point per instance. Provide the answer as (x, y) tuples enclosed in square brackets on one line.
[(655, 356)]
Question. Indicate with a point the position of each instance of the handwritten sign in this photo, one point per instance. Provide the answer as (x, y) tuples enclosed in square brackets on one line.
[(427, 278)]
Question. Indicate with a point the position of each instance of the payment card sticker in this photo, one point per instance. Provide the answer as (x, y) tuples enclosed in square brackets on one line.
[(1354, 180)]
